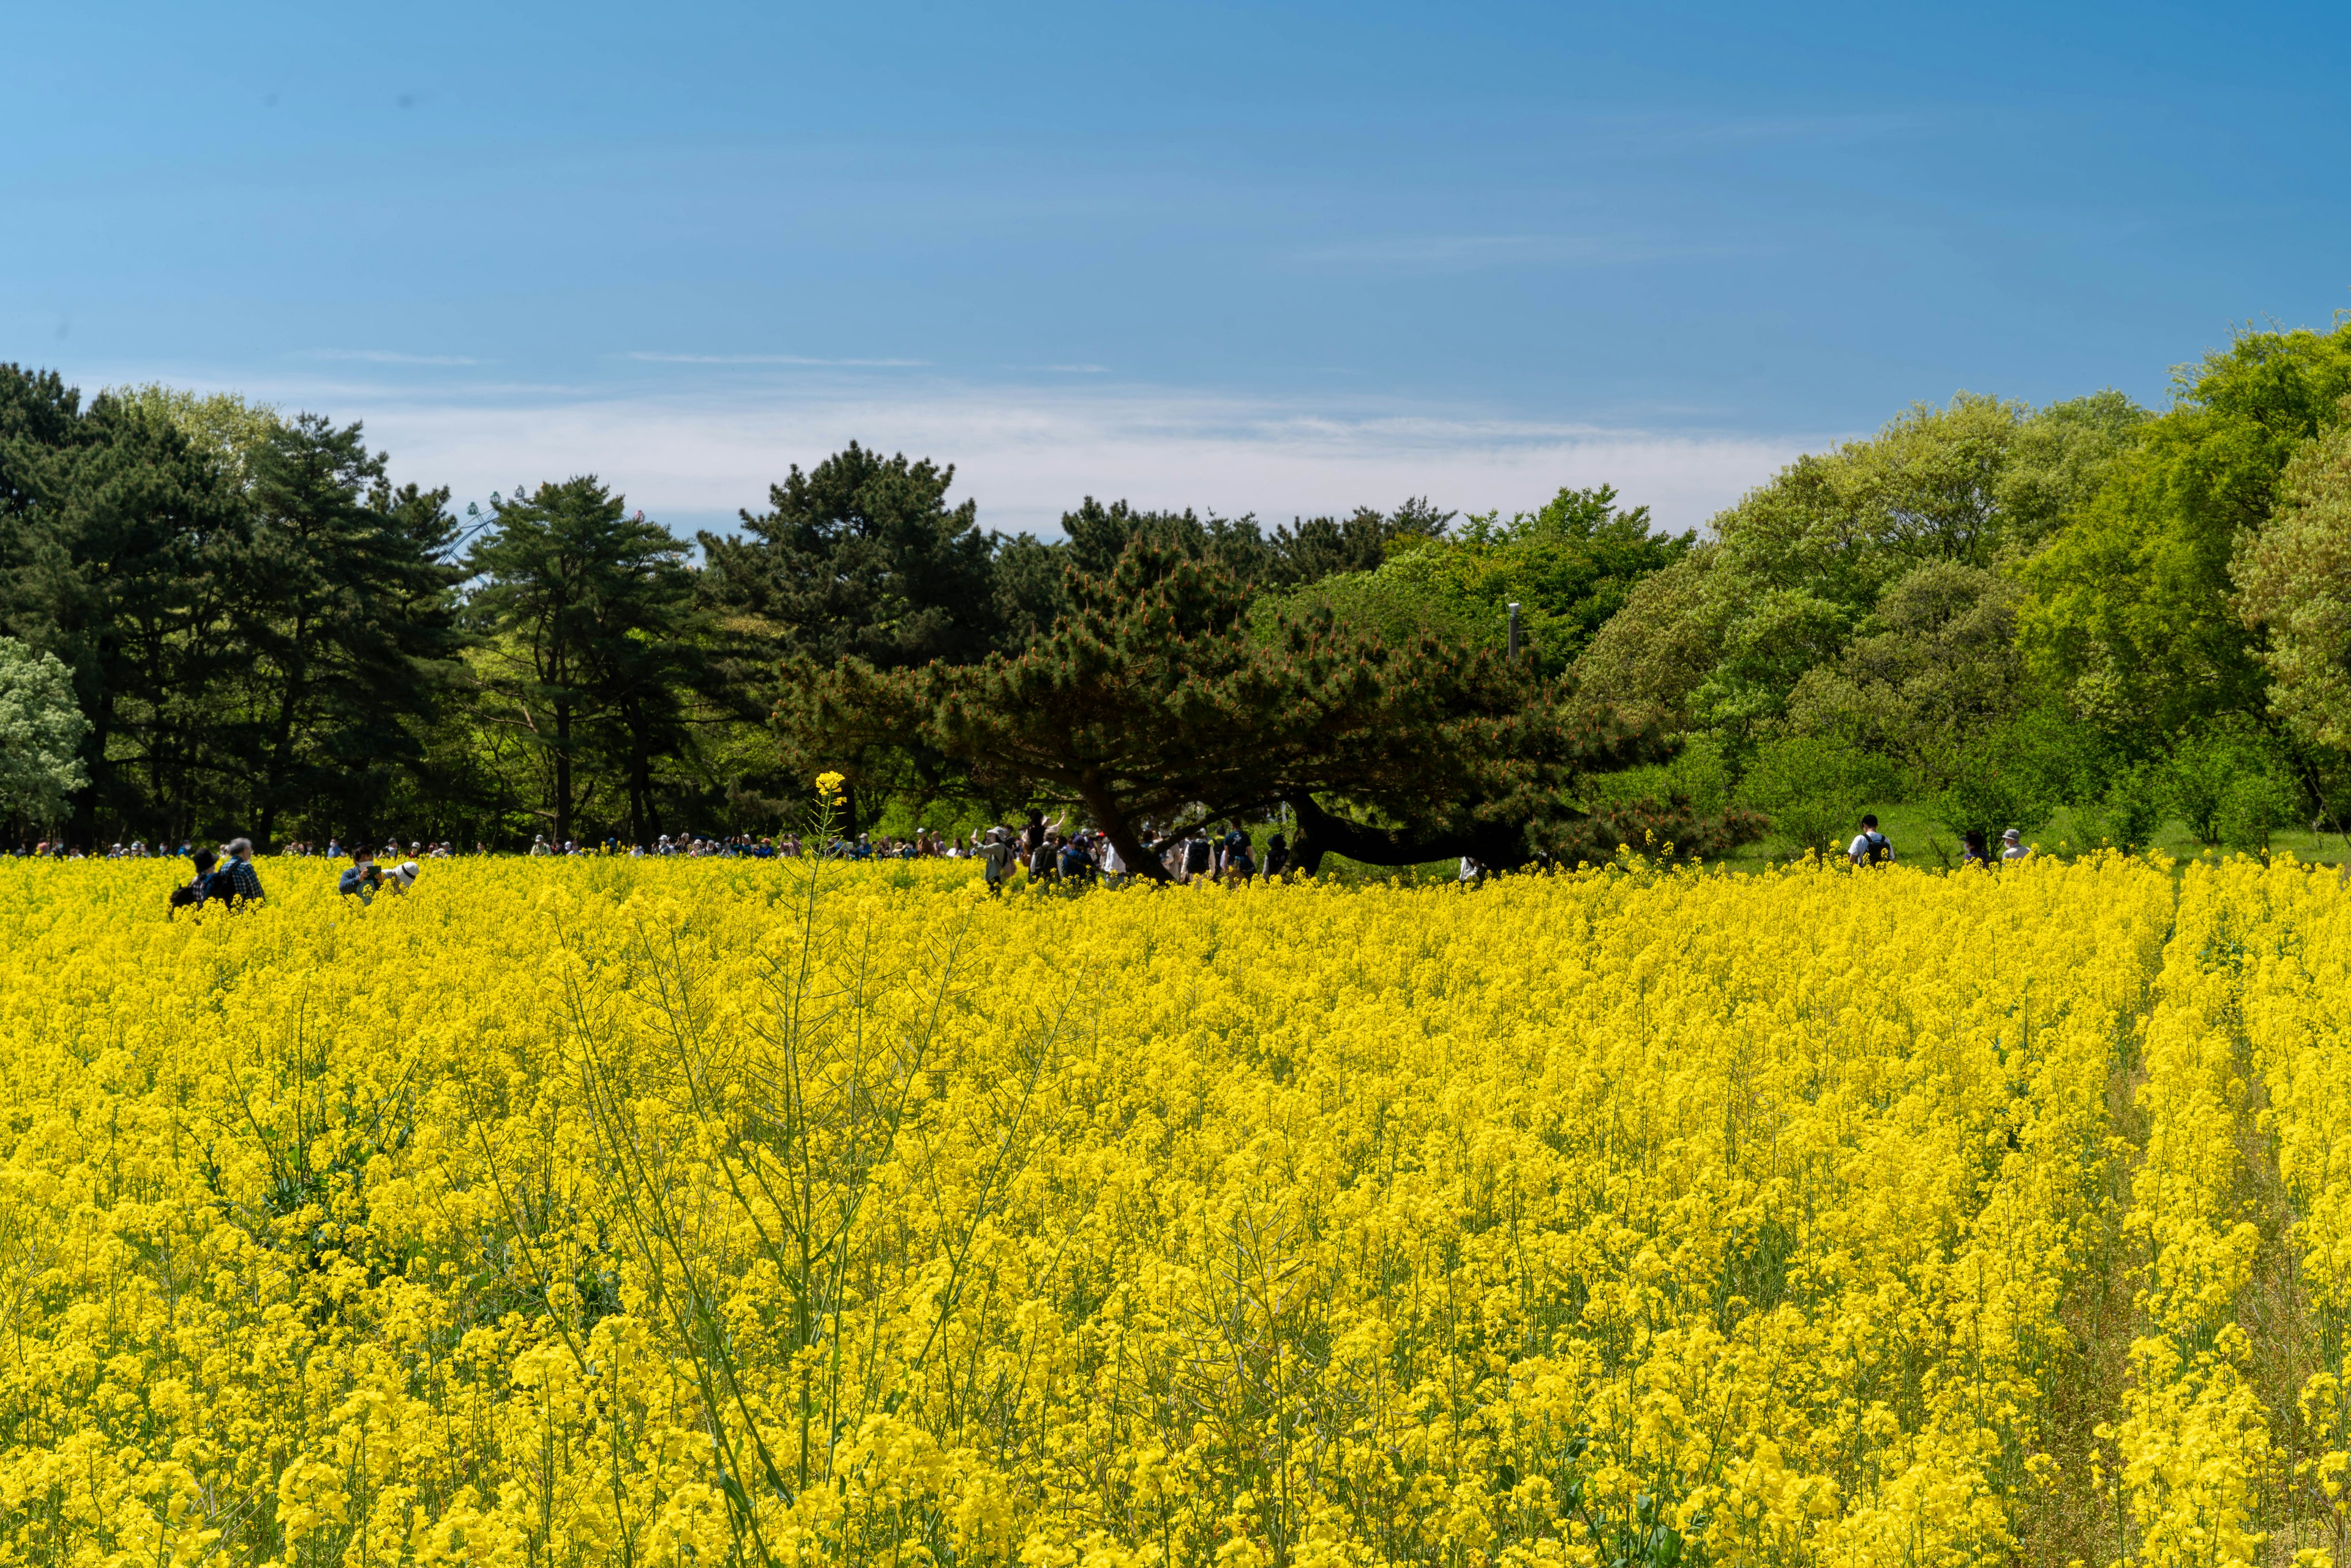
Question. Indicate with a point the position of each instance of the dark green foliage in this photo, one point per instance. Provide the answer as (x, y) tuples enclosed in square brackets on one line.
[(1993, 609), (123, 552), (861, 558), (1990, 791), (1154, 700), (1673, 826), (1934, 667), (2017, 774), (1099, 535), (584, 610), (346, 613), (1569, 567)]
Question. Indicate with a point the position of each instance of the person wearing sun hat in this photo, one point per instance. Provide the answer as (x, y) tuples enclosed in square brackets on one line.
[(2013, 847)]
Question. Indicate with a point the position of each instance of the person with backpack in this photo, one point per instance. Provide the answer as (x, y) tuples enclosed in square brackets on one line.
[(244, 880), (997, 857), (1870, 847), (1240, 864), (1199, 856), (192, 894)]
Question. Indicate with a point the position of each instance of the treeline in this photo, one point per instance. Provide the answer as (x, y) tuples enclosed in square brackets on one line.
[(2000, 610), (259, 634), (1994, 608)]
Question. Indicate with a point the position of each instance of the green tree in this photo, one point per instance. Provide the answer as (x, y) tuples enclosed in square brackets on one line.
[(1310, 549), (1797, 567), (1814, 789), (861, 557), (1099, 535), (1155, 699), (2294, 590), (229, 430), (584, 610), (1569, 567), (2223, 770), (348, 611), (1935, 666), (123, 550), (41, 733), (2130, 618), (2126, 808), (1649, 661), (2008, 779)]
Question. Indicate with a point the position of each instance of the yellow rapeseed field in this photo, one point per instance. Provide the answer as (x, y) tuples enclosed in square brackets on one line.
[(635, 1212)]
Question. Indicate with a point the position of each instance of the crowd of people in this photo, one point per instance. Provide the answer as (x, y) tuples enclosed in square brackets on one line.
[(1049, 857), (1037, 854)]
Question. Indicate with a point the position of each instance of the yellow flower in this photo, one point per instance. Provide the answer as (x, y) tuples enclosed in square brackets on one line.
[(647, 1210), (827, 786)]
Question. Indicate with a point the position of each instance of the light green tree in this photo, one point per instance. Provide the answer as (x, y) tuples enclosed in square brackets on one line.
[(2294, 583), (223, 426), (40, 731), (2130, 617), (1569, 567), (1802, 566)]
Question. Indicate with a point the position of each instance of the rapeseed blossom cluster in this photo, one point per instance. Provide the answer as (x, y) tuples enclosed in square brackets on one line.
[(602, 1211)]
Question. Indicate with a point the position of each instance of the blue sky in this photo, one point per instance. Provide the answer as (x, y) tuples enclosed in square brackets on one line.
[(1272, 258)]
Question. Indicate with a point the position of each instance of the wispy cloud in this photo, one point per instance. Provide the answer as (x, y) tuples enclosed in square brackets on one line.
[(1028, 455), (1027, 451), (650, 357), (387, 357)]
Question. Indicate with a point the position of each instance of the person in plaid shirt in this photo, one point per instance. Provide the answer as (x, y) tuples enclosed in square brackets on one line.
[(246, 880)]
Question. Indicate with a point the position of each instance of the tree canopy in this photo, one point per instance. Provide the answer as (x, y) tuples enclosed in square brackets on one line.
[(1153, 700), (1985, 602)]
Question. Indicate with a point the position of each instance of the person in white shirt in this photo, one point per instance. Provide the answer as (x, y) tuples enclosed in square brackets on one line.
[(1870, 847), (999, 856), (2011, 846)]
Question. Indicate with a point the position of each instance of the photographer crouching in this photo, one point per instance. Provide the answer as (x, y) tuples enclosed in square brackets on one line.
[(363, 878)]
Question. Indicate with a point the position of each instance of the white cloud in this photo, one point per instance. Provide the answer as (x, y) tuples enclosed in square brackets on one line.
[(1028, 452), (1029, 455)]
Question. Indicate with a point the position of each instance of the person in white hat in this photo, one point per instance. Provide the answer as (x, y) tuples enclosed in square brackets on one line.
[(2011, 846)]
